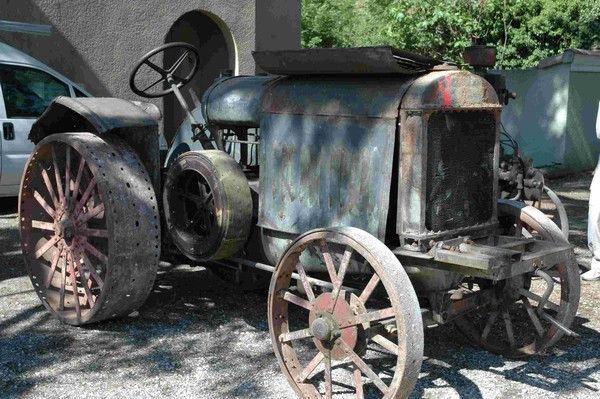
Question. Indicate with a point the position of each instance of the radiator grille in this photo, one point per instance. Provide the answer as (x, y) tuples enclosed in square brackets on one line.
[(460, 176)]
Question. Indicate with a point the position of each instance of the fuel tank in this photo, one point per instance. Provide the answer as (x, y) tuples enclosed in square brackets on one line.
[(235, 101)]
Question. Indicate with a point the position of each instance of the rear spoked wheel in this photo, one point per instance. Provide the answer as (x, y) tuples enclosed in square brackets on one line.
[(358, 334), (531, 312), (89, 227)]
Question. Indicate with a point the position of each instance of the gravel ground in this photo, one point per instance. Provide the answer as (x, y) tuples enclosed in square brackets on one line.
[(193, 338)]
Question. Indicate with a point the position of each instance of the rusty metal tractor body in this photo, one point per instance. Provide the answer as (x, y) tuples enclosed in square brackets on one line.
[(402, 147)]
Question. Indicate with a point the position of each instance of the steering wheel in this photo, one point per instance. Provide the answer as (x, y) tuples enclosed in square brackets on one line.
[(168, 75)]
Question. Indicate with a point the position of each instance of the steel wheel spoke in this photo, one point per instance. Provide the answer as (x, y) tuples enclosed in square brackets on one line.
[(44, 248), (357, 376), (53, 264), (328, 382), (509, 329), (329, 262), (312, 365), (344, 266), (362, 318), (75, 293), (538, 299), (67, 195), (93, 274), (559, 325), (341, 274), (488, 325), (59, 186), (91, 213), (37, 224), (364, 367), (296, 300), (84, 283), (86, 195), (101, 233), (78, 180), (97, 254), (38, 197), (534, 317), (49, 187), (371, 285), (386, 344), (305, 283), (295, 335)]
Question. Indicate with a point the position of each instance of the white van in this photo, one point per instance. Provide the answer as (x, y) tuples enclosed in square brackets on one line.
[(27, 87)]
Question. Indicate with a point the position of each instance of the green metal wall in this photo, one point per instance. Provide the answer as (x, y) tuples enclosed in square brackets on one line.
[(554, 115)]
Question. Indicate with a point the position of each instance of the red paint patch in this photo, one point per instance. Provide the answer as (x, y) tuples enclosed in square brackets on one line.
[(445, 86)]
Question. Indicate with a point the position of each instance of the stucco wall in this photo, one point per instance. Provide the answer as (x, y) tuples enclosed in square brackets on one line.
[(96, 42)]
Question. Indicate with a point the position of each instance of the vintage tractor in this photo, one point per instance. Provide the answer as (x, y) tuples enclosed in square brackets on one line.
[(365, 180)]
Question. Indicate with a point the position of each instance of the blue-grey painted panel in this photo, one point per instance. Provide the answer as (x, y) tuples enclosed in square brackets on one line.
[(321, 171)]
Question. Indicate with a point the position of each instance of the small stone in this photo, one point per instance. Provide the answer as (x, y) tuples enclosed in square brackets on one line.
[(134, 314)]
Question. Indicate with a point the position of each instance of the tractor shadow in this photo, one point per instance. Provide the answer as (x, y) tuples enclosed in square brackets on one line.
[(191, 325), (568, 367), (206, 322)]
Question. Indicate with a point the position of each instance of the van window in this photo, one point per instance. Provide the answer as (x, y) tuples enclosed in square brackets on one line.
[(27, 92)]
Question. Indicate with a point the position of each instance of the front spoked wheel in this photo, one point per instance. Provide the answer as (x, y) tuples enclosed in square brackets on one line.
[(360, 333), (531, 312)]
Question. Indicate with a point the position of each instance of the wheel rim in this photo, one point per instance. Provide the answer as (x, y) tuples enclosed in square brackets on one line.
[(64, 231), (551, 205), (520, 321), (357, 330)]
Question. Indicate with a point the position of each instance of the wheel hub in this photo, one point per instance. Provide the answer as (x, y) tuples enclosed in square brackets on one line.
[(323, 328), (324, 320), (66, 229)]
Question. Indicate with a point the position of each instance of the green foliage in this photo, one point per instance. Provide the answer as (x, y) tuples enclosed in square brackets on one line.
[(525, 31)]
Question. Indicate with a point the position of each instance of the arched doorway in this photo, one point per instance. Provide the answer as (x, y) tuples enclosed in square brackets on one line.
[(217, 51)]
